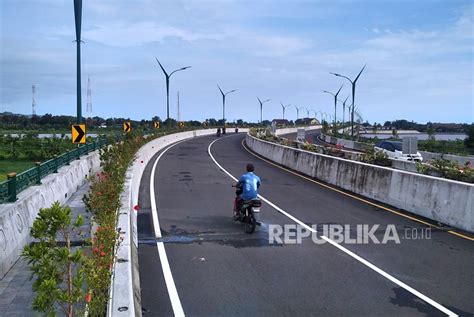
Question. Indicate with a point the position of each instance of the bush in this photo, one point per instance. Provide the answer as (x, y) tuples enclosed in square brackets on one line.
[(59, 270), (373, 156)]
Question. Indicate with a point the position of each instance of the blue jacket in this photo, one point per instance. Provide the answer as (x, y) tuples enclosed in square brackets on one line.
[(250, 183)]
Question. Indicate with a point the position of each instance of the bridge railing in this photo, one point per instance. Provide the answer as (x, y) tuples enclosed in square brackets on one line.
[(16, 183)]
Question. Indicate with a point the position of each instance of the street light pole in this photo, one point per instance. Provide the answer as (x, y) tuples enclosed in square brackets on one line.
[(344, 110), (353, 83), (223, 101), (284, 107), (298, 112), (167, 77), (335, 102), (261, 107), (78, 20)]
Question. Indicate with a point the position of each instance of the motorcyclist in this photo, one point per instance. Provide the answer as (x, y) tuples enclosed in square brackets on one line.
[(218, 131), (247, 189)]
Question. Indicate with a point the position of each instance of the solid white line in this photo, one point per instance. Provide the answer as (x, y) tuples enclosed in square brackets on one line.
[(165, 266), (345, 250)]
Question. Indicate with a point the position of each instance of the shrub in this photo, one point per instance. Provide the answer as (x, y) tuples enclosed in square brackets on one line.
[(59, 270), (373, 156)]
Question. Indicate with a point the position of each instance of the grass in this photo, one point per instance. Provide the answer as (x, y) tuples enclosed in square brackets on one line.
[(8, 166)]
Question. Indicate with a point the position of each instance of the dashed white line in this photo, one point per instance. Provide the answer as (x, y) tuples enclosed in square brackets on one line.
[(345, 250)]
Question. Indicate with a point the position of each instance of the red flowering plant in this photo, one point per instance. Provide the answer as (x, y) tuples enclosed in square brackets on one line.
[(103, 201)]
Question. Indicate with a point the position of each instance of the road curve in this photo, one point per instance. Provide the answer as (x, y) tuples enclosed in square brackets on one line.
[(217, 269)]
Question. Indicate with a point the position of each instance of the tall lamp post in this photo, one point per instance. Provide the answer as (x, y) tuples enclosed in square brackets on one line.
[(78, 20), (167, 76), (261, 107), (307, 112), (284, 107), (223, 101), (335, 101), (298, 112), (344, 110), (353, 83)]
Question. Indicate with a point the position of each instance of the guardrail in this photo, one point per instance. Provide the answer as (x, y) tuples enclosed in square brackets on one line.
[(16, 183)]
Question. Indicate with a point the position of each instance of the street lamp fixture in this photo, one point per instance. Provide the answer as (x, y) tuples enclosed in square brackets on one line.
[(284, 107), (344, 109), (353, 83), (261, 107), (167, 77), (298, 112), (335, 101), (223, 101)]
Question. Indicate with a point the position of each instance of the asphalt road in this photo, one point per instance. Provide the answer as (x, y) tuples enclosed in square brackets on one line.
[(216, 269)]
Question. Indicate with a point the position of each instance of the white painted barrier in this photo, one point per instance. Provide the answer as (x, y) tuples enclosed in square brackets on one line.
[(447, 201), (17, 218)]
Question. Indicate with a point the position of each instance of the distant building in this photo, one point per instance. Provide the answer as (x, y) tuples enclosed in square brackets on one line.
[(280, 122), (307, 121)]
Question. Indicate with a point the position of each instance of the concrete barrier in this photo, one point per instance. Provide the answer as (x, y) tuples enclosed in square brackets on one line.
[(125, 287), (282, 131), (462, 160), (447, 201), (17, 218), (348, 144)]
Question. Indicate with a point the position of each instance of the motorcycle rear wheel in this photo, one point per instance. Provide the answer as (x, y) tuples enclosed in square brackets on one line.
[(250, 223)]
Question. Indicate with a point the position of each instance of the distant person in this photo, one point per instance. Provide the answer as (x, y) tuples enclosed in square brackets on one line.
[(247, 189)]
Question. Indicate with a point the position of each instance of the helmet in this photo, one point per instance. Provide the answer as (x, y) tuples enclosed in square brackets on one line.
[(250, 167)]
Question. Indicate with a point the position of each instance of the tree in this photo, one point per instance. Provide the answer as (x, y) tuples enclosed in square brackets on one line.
[(469, 141)]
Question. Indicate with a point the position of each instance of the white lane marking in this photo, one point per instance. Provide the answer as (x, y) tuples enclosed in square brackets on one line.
[(345, 250), (165, 265)]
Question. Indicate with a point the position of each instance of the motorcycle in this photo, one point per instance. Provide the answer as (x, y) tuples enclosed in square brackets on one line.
[(218, 132), (236, 130), (249, 213)]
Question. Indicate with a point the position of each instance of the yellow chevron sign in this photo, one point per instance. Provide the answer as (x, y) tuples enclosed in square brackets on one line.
[(127, 126), (78, 132), (156, 124)]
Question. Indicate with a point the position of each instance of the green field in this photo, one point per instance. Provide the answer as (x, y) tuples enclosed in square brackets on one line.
[(8, 166)]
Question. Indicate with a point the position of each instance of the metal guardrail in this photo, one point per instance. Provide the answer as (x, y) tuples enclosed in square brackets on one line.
[(19, 182)]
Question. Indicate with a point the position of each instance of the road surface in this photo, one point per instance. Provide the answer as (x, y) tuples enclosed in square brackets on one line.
[(203, 264)]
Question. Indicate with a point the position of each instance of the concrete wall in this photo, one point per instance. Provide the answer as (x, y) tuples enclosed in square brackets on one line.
[(443, 200), (348, 144), (295, 129), (125, 289), (462, 160), (17, 218)]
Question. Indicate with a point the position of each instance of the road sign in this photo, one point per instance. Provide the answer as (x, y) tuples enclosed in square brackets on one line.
[(78, 132), (127, 126), (156, 124), (181, 124)]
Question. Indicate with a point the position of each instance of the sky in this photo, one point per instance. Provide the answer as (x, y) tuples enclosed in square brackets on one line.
[(419, 57)]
